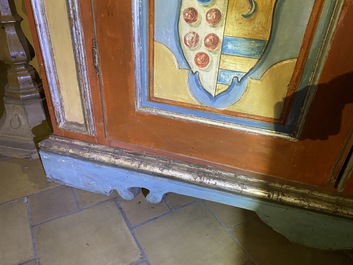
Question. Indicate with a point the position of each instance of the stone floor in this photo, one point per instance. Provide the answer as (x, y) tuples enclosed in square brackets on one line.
[(48, 224)]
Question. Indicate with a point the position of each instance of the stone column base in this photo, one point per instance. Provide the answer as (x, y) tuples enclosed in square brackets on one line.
[(22, 126)]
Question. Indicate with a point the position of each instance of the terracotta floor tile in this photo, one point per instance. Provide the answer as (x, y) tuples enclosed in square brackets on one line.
[(19, 178), (176, 200), (97, 235), (139, 210), (51, 204), (190, 235), (229, 215), (87, 198), (270, 248), (32, 262), (15, 236)]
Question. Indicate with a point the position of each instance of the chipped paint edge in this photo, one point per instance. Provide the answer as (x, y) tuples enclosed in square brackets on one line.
[(140, 167)]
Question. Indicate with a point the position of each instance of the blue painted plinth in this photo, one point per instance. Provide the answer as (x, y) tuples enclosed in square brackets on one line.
[(299, 225)]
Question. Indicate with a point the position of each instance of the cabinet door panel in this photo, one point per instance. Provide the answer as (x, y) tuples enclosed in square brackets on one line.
[(294, 131)]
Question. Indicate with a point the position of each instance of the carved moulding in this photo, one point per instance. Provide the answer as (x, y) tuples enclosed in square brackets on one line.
[(72, 100), (103, 169)]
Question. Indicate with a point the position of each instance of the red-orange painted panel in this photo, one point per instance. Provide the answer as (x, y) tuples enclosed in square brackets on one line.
[(308, 160)]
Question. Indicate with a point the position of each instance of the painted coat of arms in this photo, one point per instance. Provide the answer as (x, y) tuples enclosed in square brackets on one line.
[(236, 58), (219, 41), (218, 53)]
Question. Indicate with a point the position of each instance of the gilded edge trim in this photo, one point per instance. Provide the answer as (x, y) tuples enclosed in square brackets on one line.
[(208, 177), (51, 69)]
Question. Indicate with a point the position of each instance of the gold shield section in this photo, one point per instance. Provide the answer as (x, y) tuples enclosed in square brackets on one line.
[(170, 82), (265, 97), (257, 26), (241, 64)]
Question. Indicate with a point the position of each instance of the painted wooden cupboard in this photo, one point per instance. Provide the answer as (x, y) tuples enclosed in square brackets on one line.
[(244, 102)]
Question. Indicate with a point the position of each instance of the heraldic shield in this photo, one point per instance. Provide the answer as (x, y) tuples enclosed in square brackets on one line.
[(223, 40)]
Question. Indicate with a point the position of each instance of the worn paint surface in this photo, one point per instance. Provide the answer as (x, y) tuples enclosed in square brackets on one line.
[(201, 175), (300, 226)]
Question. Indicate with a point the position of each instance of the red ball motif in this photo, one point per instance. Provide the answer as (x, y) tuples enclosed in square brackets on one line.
[(213, 16), (190, 15), (192, 40), (202, 59), (211, 41)]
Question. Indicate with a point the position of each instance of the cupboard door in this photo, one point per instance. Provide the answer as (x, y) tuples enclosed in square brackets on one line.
[(242, 102), (255, 86)]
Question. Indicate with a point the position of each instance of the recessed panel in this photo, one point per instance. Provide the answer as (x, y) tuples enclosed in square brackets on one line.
[(61, 40), (60, 35), (242, 64)]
